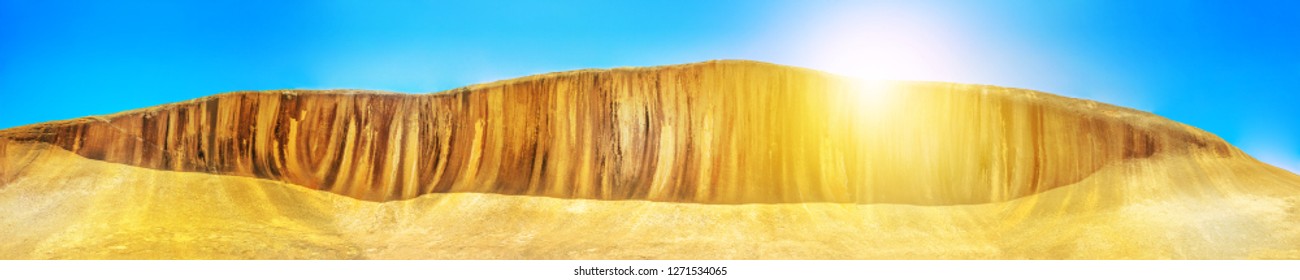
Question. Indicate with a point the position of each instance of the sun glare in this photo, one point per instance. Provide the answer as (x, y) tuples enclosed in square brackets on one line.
[(883, 43)]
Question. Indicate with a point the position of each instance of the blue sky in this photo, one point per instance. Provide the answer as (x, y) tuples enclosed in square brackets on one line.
[(1229, 67)]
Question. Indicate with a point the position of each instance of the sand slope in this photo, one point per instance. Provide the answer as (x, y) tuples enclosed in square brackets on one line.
[(62, 206)]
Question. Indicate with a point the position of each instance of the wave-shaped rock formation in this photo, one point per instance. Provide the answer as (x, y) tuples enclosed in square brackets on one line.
[(718, 132), (774, 156)]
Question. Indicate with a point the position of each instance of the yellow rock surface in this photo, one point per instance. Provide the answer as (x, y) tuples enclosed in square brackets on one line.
[(722, 159)]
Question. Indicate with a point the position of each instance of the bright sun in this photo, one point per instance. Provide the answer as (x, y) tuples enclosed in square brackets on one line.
[(883, 43)]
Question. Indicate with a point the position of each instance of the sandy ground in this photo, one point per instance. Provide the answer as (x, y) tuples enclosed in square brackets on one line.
[(57, 205)]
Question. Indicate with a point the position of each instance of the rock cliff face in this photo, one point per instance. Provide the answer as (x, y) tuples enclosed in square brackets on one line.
[(715, 132), (713, 160)]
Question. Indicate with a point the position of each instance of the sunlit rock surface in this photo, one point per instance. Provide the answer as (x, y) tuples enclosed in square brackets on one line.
[(723, 159)]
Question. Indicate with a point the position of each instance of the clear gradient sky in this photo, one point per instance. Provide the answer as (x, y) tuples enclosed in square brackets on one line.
[(1229, 67)]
